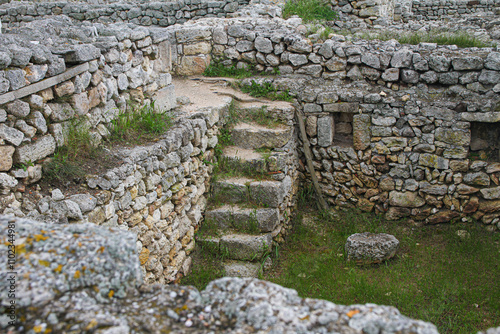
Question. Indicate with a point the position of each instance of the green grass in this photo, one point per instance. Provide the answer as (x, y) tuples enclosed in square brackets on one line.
[(459, 38), (218, 69), (78, 146), (309, 10), (435, 276), (267, 90), (140, 125)]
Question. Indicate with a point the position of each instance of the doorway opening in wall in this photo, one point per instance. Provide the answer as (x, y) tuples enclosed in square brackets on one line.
[(343, 129), (485, 141)]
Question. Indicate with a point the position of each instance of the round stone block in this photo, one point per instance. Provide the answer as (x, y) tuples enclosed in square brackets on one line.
[(368, 248)]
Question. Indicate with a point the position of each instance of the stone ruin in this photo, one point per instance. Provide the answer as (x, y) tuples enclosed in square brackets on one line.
[(401, 130)]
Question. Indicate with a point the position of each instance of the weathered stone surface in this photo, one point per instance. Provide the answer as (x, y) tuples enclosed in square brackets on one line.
[(491, 193), (467, 63), (361, 131), (234, 268), (369, 248), (326, 131), (61, 111), (432, 160), (477, 179), (11, 135), (402, 58), (6, 153), (18, 108), (453, 136), (336, 64), (433, 189), (82, 53), (489, 206), (391, 74), (36, 150), (246, 247), (442, 217), (405, 199), (251, 137)]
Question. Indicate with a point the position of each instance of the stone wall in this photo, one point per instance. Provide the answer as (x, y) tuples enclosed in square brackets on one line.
[(146, 13), (277, 46), (157, 190), (433, 10)]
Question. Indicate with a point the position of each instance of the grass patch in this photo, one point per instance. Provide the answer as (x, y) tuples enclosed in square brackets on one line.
[(66, 164), (309, 10), (267, 90), (436, 276), (143, 124), (459, 38), (218, 69)]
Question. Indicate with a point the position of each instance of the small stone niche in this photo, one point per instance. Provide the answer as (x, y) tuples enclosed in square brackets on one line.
[(343, 129), (485, 141)]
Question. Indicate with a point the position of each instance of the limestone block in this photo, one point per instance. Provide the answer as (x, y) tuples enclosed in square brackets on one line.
[(361, 131), (439, 63), (371, 60), (369, 248), (402, 58), (488, 77), (198, 48), (82, 53), (453, 136), (407, 199), (191, 65), (263, 45), (7, 183), (61, 111), (297, 59), (11, 135), (326, 131), (467, 63), (35, 73), (300, 46), (432, 160), (165, 99), (80, 103), (16, 78), (18, 108), (493, 61), (391, 74), (194, 34), (491, 193), (36, 150), (477, 179), (6, 153)]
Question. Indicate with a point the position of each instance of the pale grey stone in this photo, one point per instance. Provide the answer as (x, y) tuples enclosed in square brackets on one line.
[(467, 63), (326, 131), (391, 74), (491, 193), (477, 179), (61, 111), (246, 247), (369, 248), (493, 61), (16, 78), (36, 150), (429, 77), (297, 59), (402, 58), (263, 45), (433, 189), (18, 108), (86, 202), (11, 135), (409, 76), (439, 63), (300, 46), (488, 77), (82, 53), (371, 60), (336, 64)]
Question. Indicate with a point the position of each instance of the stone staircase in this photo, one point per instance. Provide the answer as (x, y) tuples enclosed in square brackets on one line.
[(247, 211)]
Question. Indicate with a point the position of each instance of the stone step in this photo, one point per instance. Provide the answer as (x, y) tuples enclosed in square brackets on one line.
[(235, 268), (235, 217), (245, 246), (261, 193), (267, 162), (252, 136), (237, 246)]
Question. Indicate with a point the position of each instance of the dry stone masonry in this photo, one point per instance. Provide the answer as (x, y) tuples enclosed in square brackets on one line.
[(404, 131)]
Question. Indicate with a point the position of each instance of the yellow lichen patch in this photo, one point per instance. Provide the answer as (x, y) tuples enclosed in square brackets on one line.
[(100, 250), (58, 269), (44, 263), (77, 274), (43, 232), (351, 313), (111, 293), (84, 268), (48, 330), (92, 324), (79, 244), (38, 329), (96, 289), (305, 318), (39, 237), (20, 249), (144, 256), (76, 235)]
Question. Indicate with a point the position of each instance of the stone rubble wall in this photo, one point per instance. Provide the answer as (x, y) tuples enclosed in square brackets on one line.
[(402, 155), (433, 10), (146, 13), (157, 191), (277, 46)]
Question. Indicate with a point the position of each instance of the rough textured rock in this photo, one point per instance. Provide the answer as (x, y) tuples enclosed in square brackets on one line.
[(369, 248)]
